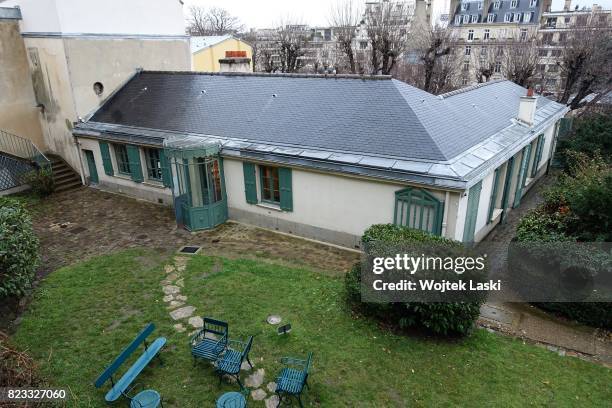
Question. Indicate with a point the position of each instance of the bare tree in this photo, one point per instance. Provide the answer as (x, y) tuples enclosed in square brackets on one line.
[(291, 45), (485, 59), (387, 29), (520, 60), (585, 63), (213, 21), (433, 45), (344, 18)]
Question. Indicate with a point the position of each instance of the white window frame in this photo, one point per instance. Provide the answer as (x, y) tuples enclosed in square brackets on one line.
[(497, 5), (466, 19), (480, 5), (470, 36), (464, 6), (487, 34), (527, 17), (508, 18), (533, 3), (491, 18), (517, 17), (513, 3), (474, 18), (497, 67), (458, 19)]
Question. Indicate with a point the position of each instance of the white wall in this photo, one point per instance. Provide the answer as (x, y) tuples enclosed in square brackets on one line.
[(149, 17)]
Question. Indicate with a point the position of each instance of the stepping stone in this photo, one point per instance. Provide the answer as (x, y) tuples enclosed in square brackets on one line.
[(256, 379), (180, 283), (179, 328), (196, 321), (245, 366), (168, 298), (166, 282), (272, 402), (175, 303), (182, 313), (258, 394), (171, 290), (181, 298), (172, 277), (169, 268), (271, 386)]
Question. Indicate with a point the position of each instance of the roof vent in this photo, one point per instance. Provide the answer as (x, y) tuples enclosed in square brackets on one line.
[(274, 95)]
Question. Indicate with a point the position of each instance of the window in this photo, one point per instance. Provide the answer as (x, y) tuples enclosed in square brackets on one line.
[(466, 19), (464, 6), (500, 52), (551, 22), (543, 53), (566, 20), (517, 17), (480, 5), (491, 18), (497, 68), (418, 209), (464, 81), (470, 35), (497, 5), (483, 52), (468, 49), (533, 3), (513, 3), (457, 19), (475, 18), (523, 34), (363, 45), (487, 33), (154, 168), (582, 20), (542, 67), (553, 68), (270, 188), (547, 38), (527, 17), (466, 65), (555, 53), (507, 17), (562, 37), (122, 159)]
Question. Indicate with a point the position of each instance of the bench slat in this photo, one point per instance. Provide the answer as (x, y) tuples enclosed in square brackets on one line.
[(124, 355), (135, 369)]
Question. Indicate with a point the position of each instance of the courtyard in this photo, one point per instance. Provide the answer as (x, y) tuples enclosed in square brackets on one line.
[(115, 268)]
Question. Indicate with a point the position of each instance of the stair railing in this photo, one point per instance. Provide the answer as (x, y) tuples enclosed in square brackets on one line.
[(23, 148)]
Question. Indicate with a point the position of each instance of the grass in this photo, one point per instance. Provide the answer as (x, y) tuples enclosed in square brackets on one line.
[(84, 315)]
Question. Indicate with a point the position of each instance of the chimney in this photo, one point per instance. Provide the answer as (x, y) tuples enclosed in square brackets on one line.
[(567, 4), (527, 108), (235, 61)]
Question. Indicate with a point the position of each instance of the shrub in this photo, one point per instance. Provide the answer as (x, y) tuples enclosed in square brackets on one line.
[(450, 318), (598, 314), (590, 135), (41, 181), (18, 249)]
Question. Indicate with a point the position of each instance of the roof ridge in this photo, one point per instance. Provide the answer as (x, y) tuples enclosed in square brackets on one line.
[(469, 88), (273, 75)]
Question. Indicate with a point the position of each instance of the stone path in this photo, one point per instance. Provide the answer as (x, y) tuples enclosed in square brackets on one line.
[(530, 323), (180, 311)]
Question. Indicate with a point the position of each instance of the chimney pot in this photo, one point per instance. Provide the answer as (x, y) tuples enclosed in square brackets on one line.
[(530, 91)]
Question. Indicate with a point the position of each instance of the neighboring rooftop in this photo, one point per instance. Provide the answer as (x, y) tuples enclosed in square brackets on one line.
[(333, 118), (10, 13), (199, 43)]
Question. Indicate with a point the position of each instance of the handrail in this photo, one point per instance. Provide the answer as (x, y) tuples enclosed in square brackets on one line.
[(21, 147)]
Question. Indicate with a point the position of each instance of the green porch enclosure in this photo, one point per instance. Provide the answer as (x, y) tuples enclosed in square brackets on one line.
[(200, 201)]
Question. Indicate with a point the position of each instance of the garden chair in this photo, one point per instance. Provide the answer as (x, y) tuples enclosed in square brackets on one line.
[(144, 399), (292, 378), (210, 342), (230, 362)]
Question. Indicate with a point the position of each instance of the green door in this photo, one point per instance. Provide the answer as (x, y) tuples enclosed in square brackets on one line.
[(472, 212), (91, 164)]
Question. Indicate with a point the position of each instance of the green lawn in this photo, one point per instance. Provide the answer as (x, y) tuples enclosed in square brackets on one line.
[(84, 315)]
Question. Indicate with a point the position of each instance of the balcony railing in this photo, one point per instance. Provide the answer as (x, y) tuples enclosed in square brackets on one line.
[(22, 148)]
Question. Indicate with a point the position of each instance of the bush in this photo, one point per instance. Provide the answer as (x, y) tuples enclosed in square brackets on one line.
[(41, 181), (598, 314), (18, 249), (439, 318), (590, 135)]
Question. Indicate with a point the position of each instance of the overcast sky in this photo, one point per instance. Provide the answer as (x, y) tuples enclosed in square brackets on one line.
[(267, 13)]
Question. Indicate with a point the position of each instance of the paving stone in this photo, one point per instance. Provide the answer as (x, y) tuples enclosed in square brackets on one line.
[(245, 366), (256, 379), (196, 321), (169, 268), (181, 298), (171, 290), (182, 313), (172, 277), (168, 298), (272, 402), (258, 394), (166, 282), (174, 304), (179, 328), (271, 386), (180, 283)]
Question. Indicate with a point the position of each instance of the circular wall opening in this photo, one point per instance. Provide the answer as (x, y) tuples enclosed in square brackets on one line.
[(98, 88)]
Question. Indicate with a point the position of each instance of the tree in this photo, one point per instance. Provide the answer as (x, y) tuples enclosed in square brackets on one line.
[(485, 59), (520, 60), (387, 28), (435, 44), (291, 44), (213, 21), (585, 63), (344, 18)]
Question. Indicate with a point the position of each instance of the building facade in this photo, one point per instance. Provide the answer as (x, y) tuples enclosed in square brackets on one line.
[(288, 165), (206, 51)]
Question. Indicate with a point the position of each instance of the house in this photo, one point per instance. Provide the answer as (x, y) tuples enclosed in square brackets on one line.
[(206, 51), (322, 157)]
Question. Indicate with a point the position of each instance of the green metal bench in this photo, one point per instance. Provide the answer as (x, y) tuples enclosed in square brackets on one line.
[(229, 363), (150, 351), (292, 378), (210, 341)]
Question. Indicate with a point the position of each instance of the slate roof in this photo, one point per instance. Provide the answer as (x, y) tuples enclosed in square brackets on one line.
[(198, 43), (523, 6), (377, 122)]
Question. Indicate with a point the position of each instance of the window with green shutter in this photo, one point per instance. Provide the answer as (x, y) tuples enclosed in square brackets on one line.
[(250, 186), (270, 185), (135, 167), (122, 159), (286, 189), (106, 158), (494, 194), (538, 155), (153, 161), (522, 176), (418, 209), (472, 212), (166, 169)]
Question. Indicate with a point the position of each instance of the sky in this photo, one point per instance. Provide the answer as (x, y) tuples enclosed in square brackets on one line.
[(267, 13)]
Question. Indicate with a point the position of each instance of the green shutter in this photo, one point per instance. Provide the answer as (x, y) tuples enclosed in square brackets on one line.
[(538, 155), (522, 176), (165, 168), (106, 158), (250, 186), (507, 182), (472, 212), (286, 193), (496, 177), (135, 167)]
